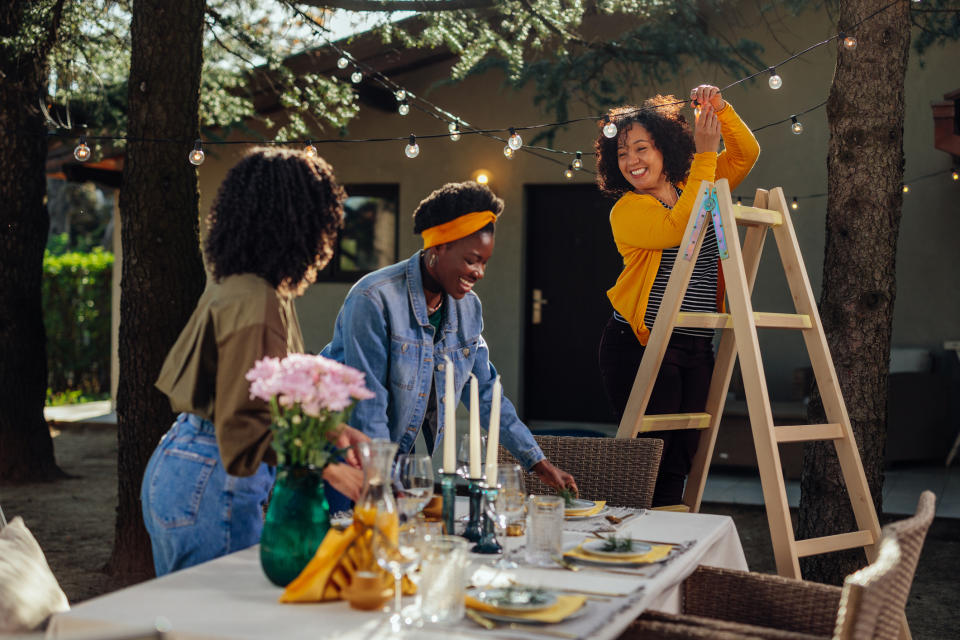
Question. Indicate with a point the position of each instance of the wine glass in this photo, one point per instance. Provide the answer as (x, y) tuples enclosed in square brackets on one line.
[(463, 455), (510, 504), (398, 558), (413, 480)]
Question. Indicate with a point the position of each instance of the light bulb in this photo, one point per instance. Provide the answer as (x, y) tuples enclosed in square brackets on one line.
[(906, 189), (850, 43), (610, 129), (454, 129), (401, 95), (483, 178), (342, 63), (794, 205), (568, 172), (310, 151), (515, 141), (356, 77), (412, 149), (197, 156), (577, 163), (82, 151), (455, 136), (508, 152), (404, 108), (775, 81), (797, 126), (955, 175)]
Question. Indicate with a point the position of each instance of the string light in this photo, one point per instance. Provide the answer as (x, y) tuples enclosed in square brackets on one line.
[(906, 188), (775, 80), (577, 163), (794, 205), (515, 141), (82, 151), (508, 152), (609, 129), (454, 129), (482, 178), (404, 108), (197, 156), (401, 95), (356, 77), (412, 149), (310, 151), (568, 172), (797, 126), (849, 42), (342, 62), (955, 175)]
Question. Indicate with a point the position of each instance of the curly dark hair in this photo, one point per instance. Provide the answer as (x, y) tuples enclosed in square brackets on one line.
[(671, 134), (452, 200), (276, 214)]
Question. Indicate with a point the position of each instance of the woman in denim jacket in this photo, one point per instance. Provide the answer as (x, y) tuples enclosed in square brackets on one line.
[(398, 324)]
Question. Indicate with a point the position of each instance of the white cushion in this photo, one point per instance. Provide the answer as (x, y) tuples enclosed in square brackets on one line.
[(29, 593)]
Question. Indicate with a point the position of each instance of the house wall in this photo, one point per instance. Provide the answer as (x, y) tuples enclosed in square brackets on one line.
[(928, 301)]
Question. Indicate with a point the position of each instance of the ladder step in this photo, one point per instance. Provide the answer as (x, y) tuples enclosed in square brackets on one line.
[(763, 320), (839, 542), (754, 216), (671, 421), (808, 432)]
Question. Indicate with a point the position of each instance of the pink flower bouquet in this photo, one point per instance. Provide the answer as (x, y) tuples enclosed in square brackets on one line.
[(309, 397)]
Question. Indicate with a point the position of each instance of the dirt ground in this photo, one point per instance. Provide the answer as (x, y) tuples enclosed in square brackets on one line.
[(73, 520)]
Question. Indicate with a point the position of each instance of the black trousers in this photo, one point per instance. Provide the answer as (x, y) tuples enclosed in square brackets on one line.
[(681, 387)]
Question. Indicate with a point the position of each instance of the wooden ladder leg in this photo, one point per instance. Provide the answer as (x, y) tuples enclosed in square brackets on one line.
[(758, 400), (819, 351), (649, 368), (723, 370)]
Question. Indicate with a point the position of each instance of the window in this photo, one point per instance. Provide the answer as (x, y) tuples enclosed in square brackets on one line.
[(368, 240)]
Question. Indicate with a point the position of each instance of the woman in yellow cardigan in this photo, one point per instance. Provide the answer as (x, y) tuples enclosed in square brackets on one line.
[(655, 165)]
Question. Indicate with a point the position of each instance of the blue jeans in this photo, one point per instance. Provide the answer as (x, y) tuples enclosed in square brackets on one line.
[(192, 509)]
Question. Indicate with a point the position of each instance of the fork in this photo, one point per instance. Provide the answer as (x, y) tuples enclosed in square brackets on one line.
[(489, 624)]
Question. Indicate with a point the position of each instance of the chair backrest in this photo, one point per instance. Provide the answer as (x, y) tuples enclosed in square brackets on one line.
[(874, 599), (620, 471)]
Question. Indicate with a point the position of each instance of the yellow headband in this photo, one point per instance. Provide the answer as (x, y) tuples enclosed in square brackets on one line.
[(457, 228)]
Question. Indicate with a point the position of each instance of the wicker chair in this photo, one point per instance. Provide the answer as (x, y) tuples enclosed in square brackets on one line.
[(622, 472), (753, 605)]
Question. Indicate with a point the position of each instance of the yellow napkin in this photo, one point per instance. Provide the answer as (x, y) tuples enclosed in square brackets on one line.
[(340, 555), (656, 553), (590, 511), (564, 607)]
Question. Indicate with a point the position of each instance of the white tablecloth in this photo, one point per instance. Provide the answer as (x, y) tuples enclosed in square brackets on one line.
[(230, 597)]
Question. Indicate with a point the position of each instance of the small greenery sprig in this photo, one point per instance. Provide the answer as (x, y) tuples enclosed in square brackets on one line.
[(309, 397), (568, 496), (617, 545)]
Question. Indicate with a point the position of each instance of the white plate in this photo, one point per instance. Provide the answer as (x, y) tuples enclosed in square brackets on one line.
[(578, 504), (596, 548), (598, 514), (504, 617), (515, 599)]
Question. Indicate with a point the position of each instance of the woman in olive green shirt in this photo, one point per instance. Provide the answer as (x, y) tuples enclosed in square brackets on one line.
[(271, 228)]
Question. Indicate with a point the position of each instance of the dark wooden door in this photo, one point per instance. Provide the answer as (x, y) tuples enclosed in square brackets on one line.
[(571, 262)]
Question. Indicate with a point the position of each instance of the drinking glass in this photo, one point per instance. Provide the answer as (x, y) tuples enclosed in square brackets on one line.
[(510, 504), (463, 455), (397, 558), (413, 481), (443, 578), (544, 529)]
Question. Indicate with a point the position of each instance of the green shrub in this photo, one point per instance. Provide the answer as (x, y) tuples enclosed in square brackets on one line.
[(76, 313)]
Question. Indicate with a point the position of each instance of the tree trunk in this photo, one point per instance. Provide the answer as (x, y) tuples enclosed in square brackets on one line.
[(865, 179), (163, 274), (26, 450)]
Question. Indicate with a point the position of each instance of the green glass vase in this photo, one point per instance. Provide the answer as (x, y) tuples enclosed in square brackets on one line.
[(297, 520)]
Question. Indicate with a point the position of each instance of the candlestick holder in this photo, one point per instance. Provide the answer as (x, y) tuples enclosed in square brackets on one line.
[(448, 491), (474, 530), (488, 541)]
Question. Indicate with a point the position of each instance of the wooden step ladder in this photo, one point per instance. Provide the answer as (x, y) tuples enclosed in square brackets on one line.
[(715, 206)]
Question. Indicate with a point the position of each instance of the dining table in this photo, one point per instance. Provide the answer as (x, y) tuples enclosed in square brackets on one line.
[(230, 597)]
